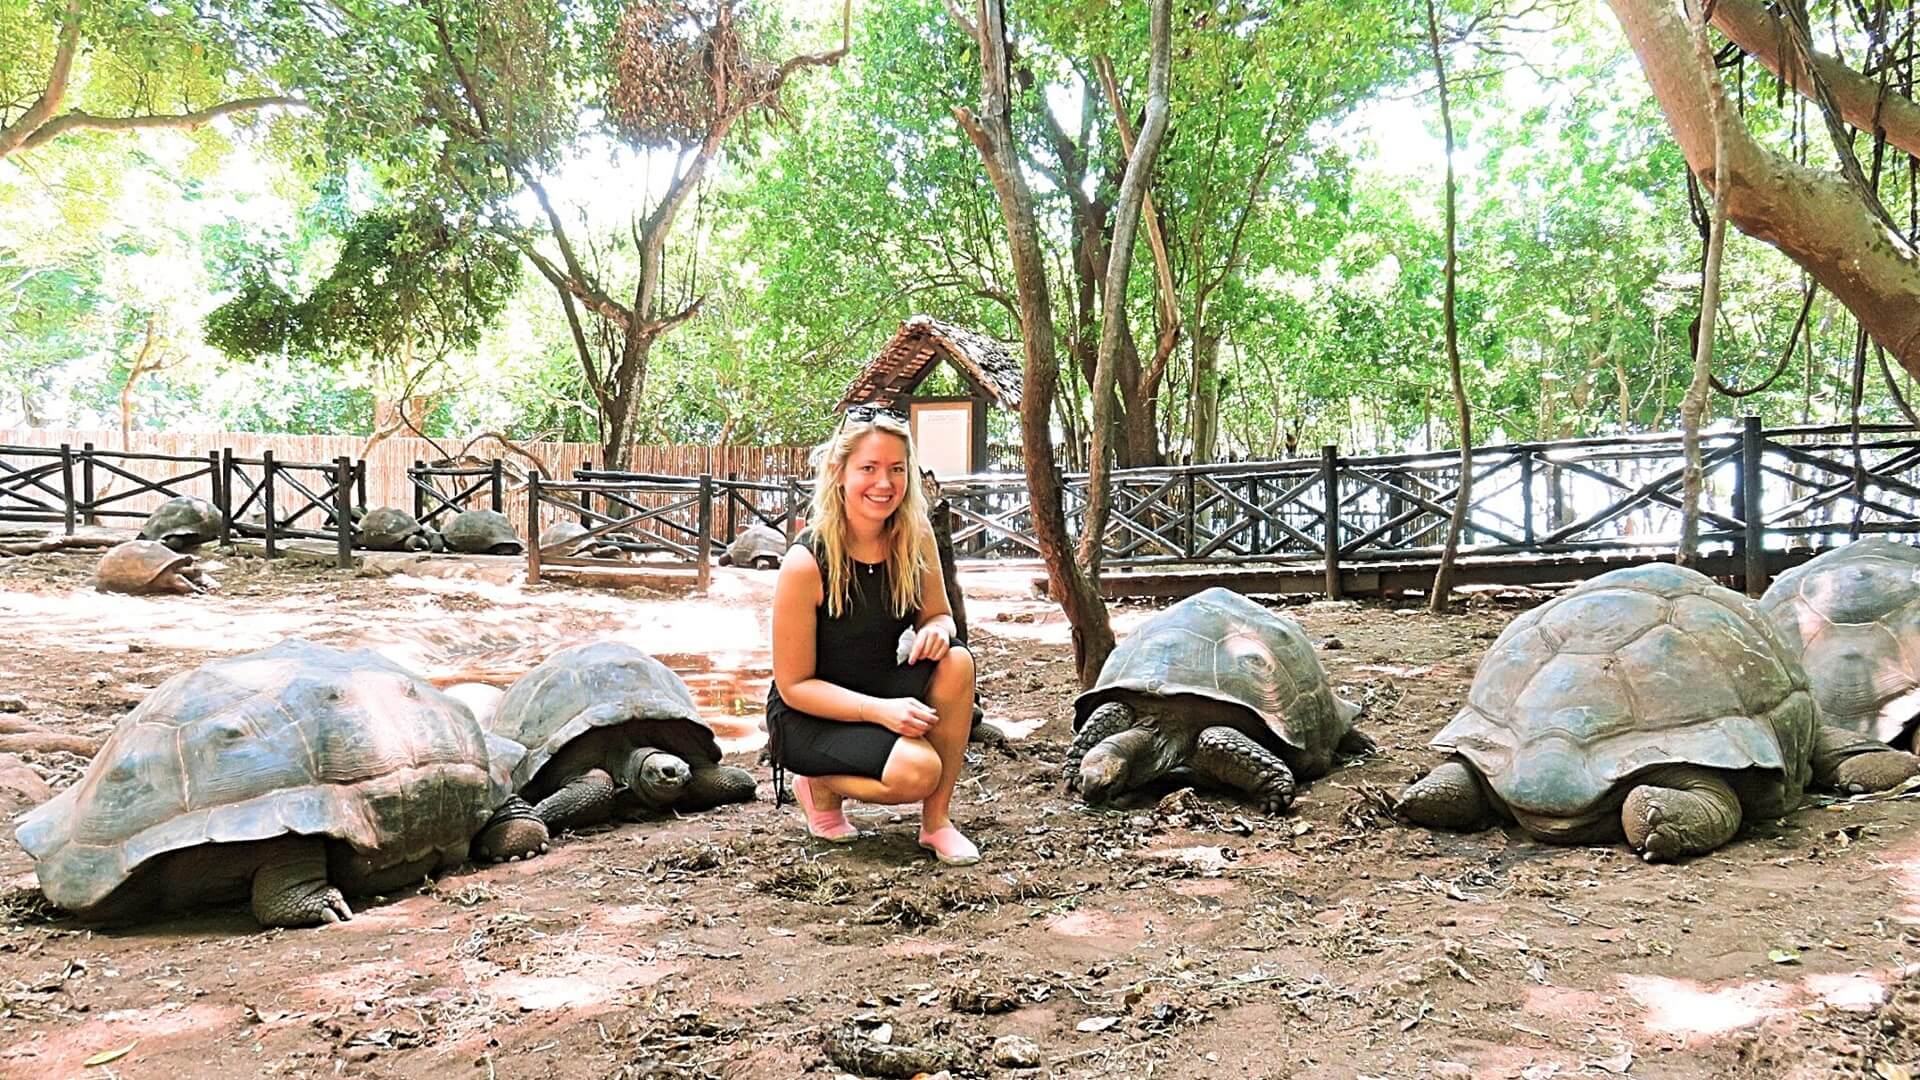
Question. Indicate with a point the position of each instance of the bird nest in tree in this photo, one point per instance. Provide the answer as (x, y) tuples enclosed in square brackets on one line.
[(681, 67)]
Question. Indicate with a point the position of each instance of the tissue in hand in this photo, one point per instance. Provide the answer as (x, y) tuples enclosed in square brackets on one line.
[(905, 648)]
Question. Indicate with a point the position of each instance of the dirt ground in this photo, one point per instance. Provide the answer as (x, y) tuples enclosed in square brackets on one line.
[(1193, 938)]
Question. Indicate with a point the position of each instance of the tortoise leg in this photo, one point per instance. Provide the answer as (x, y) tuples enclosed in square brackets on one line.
[(713, 785), (1688, 812), (586, 799), (1449, 797), (655, 777), (1853, 763), (1355, 743), (291, 889), (1230, 757), (1102, 724), (515, 831)]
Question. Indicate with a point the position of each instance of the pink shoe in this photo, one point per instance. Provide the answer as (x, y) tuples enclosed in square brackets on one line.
[(829, 825), (949, 846)]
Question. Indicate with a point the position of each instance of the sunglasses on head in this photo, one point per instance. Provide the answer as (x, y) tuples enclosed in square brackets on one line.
[(866, 414)]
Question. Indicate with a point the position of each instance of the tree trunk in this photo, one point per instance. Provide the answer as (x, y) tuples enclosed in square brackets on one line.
[(1816, 219), (1205, 410), (992, 136), (1694, 405), (1113, 306), (1463, 498), (623, 420)]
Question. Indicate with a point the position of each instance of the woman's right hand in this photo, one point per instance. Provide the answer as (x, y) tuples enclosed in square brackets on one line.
[(907, 717)]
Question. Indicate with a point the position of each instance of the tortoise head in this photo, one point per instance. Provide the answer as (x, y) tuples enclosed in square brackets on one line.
[(656, 777), (1103, 774)]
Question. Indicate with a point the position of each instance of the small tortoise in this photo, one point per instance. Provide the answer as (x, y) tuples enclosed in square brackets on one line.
[(759, 546), (183, 523), (293, 775), (147, 566), (605, 718), (1648, 702), (569, 538), (386, 529), (482, 532), (1852, 616), (1219, 686)]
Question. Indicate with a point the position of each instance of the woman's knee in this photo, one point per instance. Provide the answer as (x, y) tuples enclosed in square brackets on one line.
[(913, 769), (953, 672)]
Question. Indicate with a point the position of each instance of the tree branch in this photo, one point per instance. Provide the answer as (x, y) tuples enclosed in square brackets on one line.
[(12, 137), (69, 121), (1813, 218), (1763, 36)]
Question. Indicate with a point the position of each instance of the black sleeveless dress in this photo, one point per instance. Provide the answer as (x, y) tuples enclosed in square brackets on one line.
[(856, 650)]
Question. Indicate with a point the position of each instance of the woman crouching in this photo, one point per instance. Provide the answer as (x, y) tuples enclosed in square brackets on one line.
[(871, 699)]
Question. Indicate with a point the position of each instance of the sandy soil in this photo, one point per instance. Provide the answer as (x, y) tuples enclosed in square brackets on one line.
[(1194, 938)]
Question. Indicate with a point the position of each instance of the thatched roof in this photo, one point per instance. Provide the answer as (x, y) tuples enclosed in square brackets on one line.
[(922, 341)]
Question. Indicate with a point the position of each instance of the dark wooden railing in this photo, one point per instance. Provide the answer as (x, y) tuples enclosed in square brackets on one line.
[(1797, 488)]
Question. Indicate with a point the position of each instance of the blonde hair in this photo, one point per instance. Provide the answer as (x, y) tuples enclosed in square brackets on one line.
[(908, 532)]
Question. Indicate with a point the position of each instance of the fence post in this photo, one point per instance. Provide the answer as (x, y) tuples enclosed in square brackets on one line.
[(793, 500), (703, 570), (733, 524), (414, 480), (360, 484), (585, 497), (1753, 445), (1189, 546), (86, 483), (1330, 479), (66, 486), (533, 526), (343, 512), (1559, 496), (499, 492), (213, 479), (1526, 492), (223, 496), (266, 501)]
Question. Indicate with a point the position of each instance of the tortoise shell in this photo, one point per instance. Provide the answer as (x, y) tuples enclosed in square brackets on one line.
[(600, 685), (1852, 616), (295, 739), (1646, 666), (386, 529), (482, 532), (140, 566), (183, 523), (758, 546), (1224, 647)]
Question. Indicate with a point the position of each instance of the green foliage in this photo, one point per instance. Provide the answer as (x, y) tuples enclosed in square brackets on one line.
[(405, 284)]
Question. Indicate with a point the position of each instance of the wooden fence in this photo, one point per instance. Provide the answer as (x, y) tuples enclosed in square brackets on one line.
[(1581, 500), (386, 482)]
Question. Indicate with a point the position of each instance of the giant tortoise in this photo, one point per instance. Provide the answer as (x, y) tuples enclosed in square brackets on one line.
[(148, 566), (1852, 616), (384, 528), (1650, 703), (570, 539), (610, 729), (292, 775), (1215, 686), (759, 546), (482, 532), (183, 523)]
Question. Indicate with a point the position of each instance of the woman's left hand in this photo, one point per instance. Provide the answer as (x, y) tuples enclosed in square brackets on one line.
[(930, 642)]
